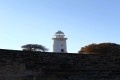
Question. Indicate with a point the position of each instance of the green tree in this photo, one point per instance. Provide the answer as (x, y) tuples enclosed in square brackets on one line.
[(100, 48), (34, 47)]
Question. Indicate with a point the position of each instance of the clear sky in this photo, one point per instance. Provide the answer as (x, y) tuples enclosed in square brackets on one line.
[(35, 21)]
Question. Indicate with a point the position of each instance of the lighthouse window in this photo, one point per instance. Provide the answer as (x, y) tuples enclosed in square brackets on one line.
[(61, 44), (62, 50)]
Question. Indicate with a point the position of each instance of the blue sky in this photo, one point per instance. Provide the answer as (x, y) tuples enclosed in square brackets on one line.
[(35, 21)]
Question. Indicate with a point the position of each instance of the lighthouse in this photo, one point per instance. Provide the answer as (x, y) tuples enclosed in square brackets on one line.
[(59, 42)]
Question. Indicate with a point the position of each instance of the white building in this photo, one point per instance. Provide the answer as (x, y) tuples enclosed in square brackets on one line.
[(59, 42)]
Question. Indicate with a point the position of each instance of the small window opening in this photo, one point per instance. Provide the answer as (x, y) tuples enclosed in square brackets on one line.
[(61, 44)]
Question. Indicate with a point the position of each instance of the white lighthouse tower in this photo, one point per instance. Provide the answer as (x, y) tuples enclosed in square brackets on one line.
[(59, 42)]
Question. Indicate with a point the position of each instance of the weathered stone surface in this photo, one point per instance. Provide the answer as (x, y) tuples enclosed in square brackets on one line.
[(25, 65)]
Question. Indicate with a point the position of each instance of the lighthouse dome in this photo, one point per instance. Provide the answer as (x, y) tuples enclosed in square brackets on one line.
[(59, 33)]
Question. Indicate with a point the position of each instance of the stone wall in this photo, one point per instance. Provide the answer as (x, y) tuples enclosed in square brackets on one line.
[(25, 65)]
